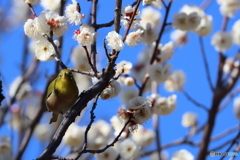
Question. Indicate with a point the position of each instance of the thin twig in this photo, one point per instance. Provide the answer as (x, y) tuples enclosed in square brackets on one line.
[(194, 101), (57, 52), (180, 142), (158, 140), (109, 24), (114, 141), (161, 33), (145, 81), (92, 117), (131, 20), (105, 48), (164, 4), (233, 142), (93, 23), (32, 10), (206, 63), (91, 74), (89, 60), (205, 4), (229, 98), (225, 133)]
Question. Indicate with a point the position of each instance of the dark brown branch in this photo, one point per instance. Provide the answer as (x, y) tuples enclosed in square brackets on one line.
[(92, 117), (161, 33), (32, 10), (89, 60), (109, 24), (76, 110), (57, 52), (61, 39), (117, 15), (91, 74), (194, 101), (145, 81), (206, 63), (113, 142), (131, 20), (93, 23)]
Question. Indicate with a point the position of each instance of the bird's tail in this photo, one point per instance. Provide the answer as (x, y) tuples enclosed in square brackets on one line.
[(54, 117)]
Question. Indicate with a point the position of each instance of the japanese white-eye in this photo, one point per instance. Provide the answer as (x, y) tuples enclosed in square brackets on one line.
[(62, 94)]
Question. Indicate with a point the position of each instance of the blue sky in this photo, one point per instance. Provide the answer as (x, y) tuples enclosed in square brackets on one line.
[(187, 58)]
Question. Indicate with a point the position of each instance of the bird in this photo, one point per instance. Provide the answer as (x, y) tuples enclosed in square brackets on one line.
[(62, 94)]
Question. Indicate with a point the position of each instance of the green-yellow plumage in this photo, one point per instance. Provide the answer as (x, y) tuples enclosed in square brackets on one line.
[(62, 93)]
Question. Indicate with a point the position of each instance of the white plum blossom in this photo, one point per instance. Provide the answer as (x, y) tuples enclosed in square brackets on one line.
[(150, 34), (221, 1), (51, 21), (31, 28), (228, 8), (140, 107), (111, 91), (5, 145), (182, 154), (185, 22), (236, 32), (82, 81), (44, 51), (157, 4), (134, 37), (143, 137), (189, 119), (129, 81), (236, 107), (23, 90), (164, 106), (98, 135), (175, 81), (179, 37), (74, 136), (148, 1), (221, 41), (166, 52), (32, 2), (53, 5), (79, 58), (117, 125), (85, 35), (193, 21), (123, 67), (150, 16), (188, 9), (180, 21), (72, 13), (159, 72), (127, 94), (108, 154), (205, 26), (129, 149), (43, 131), (230, 65), (115, 41), (127, 13)]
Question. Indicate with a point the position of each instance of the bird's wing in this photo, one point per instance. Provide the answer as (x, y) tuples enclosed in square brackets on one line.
[(51, 88)]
